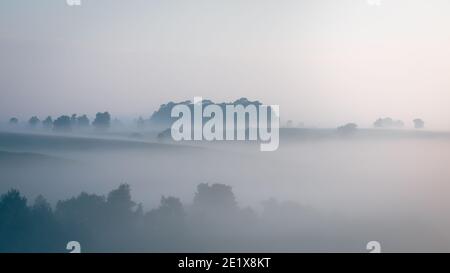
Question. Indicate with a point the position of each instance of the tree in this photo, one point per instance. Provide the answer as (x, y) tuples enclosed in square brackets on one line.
[(48, 123), (289, 124), (73, 120), (42, 221), (167, 221), (12, 203), (383, 123), (41, 207), (114, 224), (216, 196), (388, 123), (419, 123), (33, 122), (102, 121), (13, 121), (14, 221), (83, 216), (120, 199), (398, 124), (347, 129), (83, 121), (62, 124), (171, 206), (140, 123)]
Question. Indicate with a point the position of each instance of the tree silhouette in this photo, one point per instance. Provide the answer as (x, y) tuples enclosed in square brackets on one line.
[(419, 123), (83, 121), (13, 224), (62, 124), (140, 122), (48, 123), (74, 120), (388, 123), (214, 197), (119, 200), (45, 232), (13, 121), (289, 124), (33, 122), (347, 129), (102, 121), (168, 222)]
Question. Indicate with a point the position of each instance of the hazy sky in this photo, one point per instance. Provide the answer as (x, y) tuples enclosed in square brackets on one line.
[(324, 62)]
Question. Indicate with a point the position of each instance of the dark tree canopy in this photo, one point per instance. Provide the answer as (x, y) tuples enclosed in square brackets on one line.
[(74, 120), (48, 123), (120, 198), (42, 207), (214, 196), (115, 224), (83, 121), (13, 215), (63, 123), (12, 203), (33, 121), (13, 121), (102, 121), (162, 119)]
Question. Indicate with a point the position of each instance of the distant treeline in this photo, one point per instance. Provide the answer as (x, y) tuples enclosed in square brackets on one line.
[(161, 119), (66, 123)]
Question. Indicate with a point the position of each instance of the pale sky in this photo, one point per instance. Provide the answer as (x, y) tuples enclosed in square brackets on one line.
[(325, 62)]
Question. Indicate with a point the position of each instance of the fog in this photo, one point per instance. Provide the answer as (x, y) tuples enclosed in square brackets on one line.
[(323, 61), (342, 192)]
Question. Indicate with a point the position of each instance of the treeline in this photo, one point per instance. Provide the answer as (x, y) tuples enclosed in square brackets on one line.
[(111, 223), (67, 123)]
